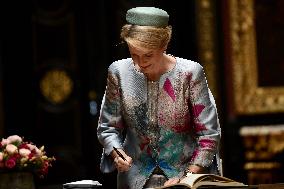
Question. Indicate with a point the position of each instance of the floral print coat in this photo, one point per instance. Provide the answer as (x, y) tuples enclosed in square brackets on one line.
[(170, 123)]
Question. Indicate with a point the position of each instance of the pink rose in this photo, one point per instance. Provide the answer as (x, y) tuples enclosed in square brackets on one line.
[(4, 142), (11, 149), (1, 156), (31, 146), (37, 152), (14, 138), (24, 152), (10, 163)]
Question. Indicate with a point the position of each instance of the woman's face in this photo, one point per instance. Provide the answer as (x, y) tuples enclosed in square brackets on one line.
[(146, 60)]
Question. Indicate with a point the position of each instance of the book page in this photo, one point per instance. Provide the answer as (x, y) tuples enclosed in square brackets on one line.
[(195, 180), (83, 184), (192, 179)]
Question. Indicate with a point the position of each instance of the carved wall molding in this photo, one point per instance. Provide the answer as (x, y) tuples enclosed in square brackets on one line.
[(262, 142), (249, 97), (263, 150)]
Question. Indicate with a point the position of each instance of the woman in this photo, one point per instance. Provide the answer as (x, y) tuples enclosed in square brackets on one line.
[(157, 109)]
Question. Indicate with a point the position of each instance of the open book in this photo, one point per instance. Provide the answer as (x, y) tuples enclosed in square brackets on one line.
[(195, 181)]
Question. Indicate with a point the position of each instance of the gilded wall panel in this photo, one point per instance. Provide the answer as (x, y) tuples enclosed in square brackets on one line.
[(249, 96)]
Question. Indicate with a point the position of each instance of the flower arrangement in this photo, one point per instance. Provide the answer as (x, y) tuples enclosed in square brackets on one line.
[(19, 155)]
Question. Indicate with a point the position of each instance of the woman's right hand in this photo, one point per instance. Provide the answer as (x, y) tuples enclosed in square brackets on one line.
[(120, 164)]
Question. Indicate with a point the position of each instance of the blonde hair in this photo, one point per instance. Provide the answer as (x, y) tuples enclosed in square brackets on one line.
[(149, 37)]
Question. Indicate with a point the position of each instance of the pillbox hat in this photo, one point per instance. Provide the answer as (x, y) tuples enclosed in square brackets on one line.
[(147, 16)]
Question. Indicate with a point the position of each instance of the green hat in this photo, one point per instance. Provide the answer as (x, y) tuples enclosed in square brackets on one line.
[(147, 16)]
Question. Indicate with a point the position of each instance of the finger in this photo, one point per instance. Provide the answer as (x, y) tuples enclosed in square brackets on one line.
[(125, 163), (167, 183), (129, 161), (171, 181), (116, 161), (120, 169), (175, 181), (119, 161), (125, 167)]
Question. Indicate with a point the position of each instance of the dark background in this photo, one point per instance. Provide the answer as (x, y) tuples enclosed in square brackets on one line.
[(81, 38)]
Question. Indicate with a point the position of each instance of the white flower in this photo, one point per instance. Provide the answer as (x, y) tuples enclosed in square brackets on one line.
[(14, 138), (11, 149), (24, 160), (24, 152)]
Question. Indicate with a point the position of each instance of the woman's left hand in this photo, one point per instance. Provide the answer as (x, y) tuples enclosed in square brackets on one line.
[(171, 181)]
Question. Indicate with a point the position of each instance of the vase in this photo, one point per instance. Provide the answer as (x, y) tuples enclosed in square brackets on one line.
[(17, 180)]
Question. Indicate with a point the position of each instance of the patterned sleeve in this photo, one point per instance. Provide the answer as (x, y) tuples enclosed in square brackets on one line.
[(110, 123), (206, 123)]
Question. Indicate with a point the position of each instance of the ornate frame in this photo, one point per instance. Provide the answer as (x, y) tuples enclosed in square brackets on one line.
[(249, 98), (206, 33)]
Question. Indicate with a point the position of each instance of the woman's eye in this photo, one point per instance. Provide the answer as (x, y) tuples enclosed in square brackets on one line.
[(133, 55)]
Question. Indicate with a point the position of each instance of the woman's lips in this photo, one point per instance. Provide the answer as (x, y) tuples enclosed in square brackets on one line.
[(144, 67)]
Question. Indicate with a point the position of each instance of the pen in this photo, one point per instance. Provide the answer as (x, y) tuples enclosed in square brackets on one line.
[(119, 154)]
